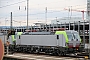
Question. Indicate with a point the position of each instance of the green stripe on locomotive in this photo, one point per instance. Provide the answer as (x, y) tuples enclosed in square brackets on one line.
[(64, 33), (19, 33)]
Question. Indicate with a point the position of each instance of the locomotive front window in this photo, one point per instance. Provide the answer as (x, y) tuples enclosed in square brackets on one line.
[(73, 35), (70, 36), (76, 35)]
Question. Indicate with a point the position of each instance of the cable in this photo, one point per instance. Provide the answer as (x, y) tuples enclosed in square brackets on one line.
[(39, 13), (81, 8), (24, 1), (12, 4)]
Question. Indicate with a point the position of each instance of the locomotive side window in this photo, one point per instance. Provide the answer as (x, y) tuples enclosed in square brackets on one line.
[(57, 36), (19, 37)]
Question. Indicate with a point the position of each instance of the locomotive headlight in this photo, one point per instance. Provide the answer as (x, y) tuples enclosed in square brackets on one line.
[(77, 49)]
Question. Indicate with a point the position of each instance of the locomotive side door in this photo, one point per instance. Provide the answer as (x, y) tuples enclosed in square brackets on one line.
[(57, 39), (18, 39), (61, 40)]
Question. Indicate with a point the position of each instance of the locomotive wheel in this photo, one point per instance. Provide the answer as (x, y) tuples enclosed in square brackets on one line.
[(55, 53), (59, 53), (37, 50), (64, 54)]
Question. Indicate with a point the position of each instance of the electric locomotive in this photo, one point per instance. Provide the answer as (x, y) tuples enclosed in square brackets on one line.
[(58, 42)]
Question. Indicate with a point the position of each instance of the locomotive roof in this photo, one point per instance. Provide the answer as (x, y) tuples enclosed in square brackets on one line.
[(38, 33), (68, 31), (45, 33)]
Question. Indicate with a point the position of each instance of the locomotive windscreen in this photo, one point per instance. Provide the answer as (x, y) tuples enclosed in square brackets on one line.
[(76, 35), (73, 35), (69, 35)]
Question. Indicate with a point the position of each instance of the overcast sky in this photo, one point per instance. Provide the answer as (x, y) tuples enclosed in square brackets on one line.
[(55, 8)]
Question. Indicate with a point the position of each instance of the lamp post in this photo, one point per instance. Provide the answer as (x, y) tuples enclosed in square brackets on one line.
[(46, 17), (11, 22), (27, 12)]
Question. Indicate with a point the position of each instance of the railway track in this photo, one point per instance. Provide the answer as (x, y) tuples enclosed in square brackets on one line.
[(79, 56), (43, 56)]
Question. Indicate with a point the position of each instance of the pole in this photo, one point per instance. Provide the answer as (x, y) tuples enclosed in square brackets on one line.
[(71, 12), (27, 12), (83, 15), (11, 21), (89, 36), (88, 17), (46, 17), (7, 39), (89, 39), (69, 18), (79, 27), (84, 32)]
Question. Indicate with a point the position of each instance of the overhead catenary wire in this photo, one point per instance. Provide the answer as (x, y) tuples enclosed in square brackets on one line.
[(30, 14), (29, 9), (38, 13), (12, 4), (25, 1), (36, 4), (43, 13), (25, 6)]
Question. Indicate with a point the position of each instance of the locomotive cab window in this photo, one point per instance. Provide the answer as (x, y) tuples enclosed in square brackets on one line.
[(70, 36), (77, 37), (57, 36)]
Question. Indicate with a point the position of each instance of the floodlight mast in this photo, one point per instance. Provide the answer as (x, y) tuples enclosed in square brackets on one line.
[(27, 12)]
